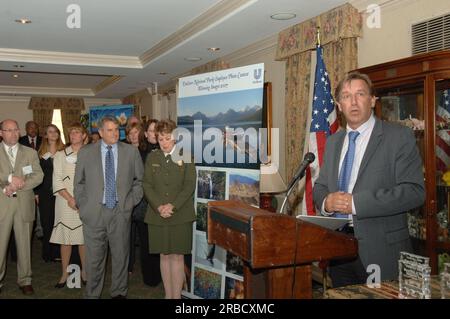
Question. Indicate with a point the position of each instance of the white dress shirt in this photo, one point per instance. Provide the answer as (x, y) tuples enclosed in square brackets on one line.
[(14, 148), (32, 140), (365, 131)]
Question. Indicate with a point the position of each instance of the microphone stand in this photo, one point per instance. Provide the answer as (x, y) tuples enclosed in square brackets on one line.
[(289, 191)]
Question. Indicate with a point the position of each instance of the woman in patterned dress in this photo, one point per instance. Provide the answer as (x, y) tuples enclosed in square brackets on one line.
[(67, 230)]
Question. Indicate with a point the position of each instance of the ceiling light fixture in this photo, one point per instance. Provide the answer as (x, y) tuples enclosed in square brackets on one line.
[(213, 49), (15, 76), (193, 59), (283, 16), (23, 21)]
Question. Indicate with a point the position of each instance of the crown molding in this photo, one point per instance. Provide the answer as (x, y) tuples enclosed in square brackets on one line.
[(53, 57), (203, 22), (48, 91), (11, 98), (260, 47), (99, 101), (107, 82)]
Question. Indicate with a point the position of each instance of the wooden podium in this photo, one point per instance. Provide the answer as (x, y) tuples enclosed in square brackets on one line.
[(277, 249)]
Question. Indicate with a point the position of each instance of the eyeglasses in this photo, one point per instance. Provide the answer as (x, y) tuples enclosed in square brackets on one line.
[(13, 130)]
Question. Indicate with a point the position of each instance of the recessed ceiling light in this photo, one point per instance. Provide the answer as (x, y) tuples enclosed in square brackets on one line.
[(23, 21), (18, 66), (213, 49), (283, 16), (162, 73), (193, 59), (15, 76)]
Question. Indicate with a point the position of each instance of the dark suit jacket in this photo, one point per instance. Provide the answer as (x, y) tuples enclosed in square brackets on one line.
[(389, 183), (25, 141), (89, 181)]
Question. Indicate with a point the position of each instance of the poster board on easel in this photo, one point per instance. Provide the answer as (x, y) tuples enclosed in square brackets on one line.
[(224, 102)]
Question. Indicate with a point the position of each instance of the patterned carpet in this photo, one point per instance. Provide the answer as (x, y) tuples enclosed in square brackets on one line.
[(46, 275)]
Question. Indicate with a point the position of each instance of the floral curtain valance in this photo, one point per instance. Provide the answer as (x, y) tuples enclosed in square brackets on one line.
[(340, 23), (50, 103)]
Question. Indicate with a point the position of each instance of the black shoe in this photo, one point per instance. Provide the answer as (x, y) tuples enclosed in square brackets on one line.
[(119, 297), (60, 285)]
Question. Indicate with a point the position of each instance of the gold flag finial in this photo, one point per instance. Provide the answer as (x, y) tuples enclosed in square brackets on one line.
[(318, 36)]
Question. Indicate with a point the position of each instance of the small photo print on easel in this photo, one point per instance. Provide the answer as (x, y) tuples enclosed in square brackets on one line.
[(211, 184), (207, 284)]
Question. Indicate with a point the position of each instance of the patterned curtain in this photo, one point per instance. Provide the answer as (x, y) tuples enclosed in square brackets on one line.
[(42, 117), (340, 28), (298, 74), (43, 109), (68, 117)]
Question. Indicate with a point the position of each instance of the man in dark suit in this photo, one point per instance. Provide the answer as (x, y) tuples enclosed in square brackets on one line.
[(32, 139), (20, 172), (372, 175), (107, 186)]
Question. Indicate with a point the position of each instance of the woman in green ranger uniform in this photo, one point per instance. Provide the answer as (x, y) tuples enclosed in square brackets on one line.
[(169, 187)]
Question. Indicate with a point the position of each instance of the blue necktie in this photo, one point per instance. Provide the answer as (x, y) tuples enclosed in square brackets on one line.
[(110, 179), (346, 168)]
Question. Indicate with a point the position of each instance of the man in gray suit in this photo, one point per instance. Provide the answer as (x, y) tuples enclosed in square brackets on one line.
[(107, 185), (371, 174), (20, 172)]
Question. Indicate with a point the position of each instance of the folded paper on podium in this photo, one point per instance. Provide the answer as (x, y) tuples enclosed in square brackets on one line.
[(276, 247)]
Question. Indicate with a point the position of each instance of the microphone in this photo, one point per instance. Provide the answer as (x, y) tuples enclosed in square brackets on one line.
[(308, 159)]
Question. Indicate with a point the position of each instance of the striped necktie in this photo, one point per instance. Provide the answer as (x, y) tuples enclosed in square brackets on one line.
[(11, 156)]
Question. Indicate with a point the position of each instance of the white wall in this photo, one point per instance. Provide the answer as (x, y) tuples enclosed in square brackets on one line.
[(16, 108), (392, 40)]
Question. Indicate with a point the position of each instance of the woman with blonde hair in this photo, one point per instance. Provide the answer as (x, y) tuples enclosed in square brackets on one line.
[(67, 229), (51, 143)]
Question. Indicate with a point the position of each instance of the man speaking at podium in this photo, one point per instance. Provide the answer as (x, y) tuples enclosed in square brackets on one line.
[(372, 175)]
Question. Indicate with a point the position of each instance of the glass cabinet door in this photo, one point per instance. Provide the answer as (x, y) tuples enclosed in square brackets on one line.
[(442, 111), (404, 104)]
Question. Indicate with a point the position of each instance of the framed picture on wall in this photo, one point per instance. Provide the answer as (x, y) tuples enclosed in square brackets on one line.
[(266, 141), (120, 112)]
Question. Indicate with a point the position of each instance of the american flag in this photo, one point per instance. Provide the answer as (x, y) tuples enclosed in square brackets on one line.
[(323, 124), (443, 135)]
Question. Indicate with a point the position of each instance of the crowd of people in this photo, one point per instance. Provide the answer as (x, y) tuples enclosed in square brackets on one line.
[(106, 193), (100, 195)]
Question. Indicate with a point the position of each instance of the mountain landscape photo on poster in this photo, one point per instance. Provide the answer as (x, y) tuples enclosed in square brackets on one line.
[(244, 186), (235, 117)]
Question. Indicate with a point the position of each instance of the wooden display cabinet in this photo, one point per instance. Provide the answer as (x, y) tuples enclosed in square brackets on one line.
[(415, 91)]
